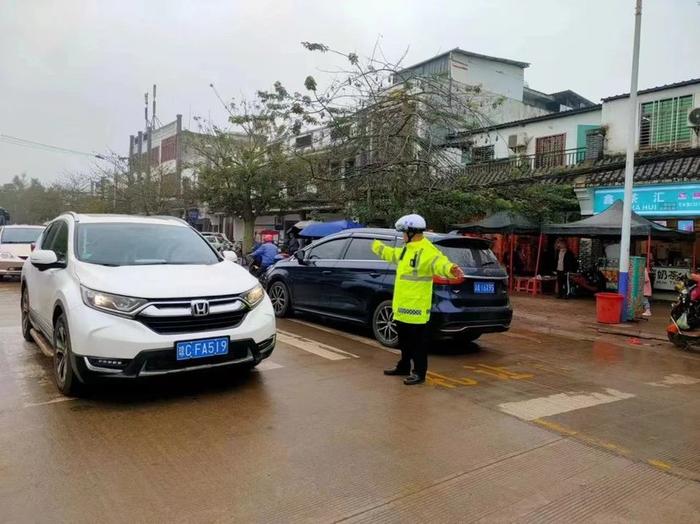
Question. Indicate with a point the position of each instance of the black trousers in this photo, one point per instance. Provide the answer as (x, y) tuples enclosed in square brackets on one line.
[(413, 341), (563, 283)]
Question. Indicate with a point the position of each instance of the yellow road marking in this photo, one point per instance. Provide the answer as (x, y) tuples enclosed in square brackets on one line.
[(435, 379), (660, 464), (555, 427), (499, 372)]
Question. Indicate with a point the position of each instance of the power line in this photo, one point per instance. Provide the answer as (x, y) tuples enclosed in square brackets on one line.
[(23, 142)]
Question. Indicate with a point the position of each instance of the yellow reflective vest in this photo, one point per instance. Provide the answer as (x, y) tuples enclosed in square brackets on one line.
[(416, 264)]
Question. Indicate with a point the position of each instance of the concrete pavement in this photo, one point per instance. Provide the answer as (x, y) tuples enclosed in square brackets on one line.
[(525, 426)]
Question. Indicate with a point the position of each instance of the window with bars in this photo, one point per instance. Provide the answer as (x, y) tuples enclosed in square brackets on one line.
[(664, 122), (303, 141), (549, 151), (478, 154)]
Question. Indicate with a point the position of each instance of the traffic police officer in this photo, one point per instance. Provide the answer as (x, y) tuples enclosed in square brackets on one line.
[(417, 262)]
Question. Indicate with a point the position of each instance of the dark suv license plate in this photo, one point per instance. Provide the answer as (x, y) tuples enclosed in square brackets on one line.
[(206, 347), (485, 288)]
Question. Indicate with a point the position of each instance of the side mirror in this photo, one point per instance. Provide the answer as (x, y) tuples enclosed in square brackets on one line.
[(300, 256), (230, 255), (44, 259)]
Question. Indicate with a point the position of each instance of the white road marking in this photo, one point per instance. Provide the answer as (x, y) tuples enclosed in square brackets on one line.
[(560, 403), (311, 346), (52, 401), (267, 365), (363, 340), (675, 380)]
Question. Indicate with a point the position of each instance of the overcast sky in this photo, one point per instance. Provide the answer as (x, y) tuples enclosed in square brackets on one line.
[(73, 72)]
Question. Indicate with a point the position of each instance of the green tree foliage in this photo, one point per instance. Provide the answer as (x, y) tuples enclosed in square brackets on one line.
[(28, 201), (245, 169), (385, 132), (544, 202)]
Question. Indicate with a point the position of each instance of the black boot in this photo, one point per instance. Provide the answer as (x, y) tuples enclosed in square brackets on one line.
[(414, 379), (398, 370)]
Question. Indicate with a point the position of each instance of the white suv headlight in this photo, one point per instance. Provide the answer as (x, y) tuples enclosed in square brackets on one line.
[(6, 256), (116, 304), (254, 296)]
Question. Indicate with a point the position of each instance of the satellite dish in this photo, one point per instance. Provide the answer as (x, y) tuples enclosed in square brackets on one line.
[(694, 118)]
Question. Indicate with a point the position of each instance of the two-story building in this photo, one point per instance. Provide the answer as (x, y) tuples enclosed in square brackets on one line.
[(585, 147)]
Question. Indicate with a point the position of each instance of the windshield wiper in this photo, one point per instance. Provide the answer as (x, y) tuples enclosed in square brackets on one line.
[(488, 263)]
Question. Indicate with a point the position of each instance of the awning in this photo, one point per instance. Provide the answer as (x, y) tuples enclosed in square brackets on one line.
[(609, 223), (501, 222), (322, 229)]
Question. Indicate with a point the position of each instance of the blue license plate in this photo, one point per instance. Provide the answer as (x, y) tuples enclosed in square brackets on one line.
[(208, 347), (484, 288)]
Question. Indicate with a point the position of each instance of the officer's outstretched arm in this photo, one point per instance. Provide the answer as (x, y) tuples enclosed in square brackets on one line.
[(386, 253), (438, 264)]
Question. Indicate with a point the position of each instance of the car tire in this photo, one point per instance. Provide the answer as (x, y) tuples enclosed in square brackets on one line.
[(66, 379), (383, 325), (26, 320), (281, 299)]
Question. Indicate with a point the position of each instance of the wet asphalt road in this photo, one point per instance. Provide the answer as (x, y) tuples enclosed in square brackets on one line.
[(522, 427)]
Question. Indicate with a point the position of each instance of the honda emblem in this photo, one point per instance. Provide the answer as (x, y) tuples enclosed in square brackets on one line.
[(200, 308)]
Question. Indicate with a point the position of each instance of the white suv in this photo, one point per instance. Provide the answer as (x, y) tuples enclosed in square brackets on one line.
[(127, 296)]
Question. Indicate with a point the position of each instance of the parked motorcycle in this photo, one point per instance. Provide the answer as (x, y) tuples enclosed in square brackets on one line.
[(685, 314), (587, 283)]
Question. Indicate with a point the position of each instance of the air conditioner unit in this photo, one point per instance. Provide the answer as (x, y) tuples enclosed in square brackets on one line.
[(516, 141), (694, 118)]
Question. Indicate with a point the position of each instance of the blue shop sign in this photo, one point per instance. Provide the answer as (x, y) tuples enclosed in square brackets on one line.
[(654, 201)]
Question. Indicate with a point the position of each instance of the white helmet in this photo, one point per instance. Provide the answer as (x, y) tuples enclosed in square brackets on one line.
[(413, 223)]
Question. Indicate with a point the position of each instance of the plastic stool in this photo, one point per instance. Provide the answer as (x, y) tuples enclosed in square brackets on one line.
[(534, 286), (521, 283)]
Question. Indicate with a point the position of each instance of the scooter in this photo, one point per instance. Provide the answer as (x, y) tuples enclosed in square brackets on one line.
[(587, 283), (685, 314)]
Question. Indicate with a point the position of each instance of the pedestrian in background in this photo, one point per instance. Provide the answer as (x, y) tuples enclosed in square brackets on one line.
[(565, 264), (293, 244), (646, 302), (417, 262)]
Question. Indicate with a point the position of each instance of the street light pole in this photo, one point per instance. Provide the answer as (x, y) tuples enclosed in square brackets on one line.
[(623, 282)]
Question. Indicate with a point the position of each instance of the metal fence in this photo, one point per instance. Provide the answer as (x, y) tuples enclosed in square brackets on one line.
[(525, 163)]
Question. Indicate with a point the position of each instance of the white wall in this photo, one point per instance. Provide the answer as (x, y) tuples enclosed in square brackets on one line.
[(508, 110), (496, 77), (530, 132), (615, 114)]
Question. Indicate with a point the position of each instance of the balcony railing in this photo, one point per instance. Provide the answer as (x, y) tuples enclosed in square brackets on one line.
[(527, 163)]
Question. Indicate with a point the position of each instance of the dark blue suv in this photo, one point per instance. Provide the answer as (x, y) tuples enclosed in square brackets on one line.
[(339, 277)]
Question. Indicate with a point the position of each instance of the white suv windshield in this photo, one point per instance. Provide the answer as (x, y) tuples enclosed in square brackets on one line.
[(123, 244), (19, 235)]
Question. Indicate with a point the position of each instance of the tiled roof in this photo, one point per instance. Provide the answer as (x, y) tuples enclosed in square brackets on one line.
[(651, 167), (678, 167)]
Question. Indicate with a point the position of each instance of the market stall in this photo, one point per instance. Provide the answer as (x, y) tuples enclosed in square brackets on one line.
[(519, 255), (607, 227)]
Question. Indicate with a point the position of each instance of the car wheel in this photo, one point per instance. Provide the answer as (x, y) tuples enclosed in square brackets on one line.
[(67, 381), (26, 321), (280, 298), (383, 325)]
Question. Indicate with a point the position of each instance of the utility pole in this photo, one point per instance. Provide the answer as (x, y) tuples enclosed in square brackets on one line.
[(623, 281)]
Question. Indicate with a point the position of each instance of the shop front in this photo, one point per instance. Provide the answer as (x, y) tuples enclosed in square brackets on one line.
[(675, 206)]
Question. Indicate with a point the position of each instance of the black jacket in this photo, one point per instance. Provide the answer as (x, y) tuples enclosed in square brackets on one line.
[(570, 262)]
